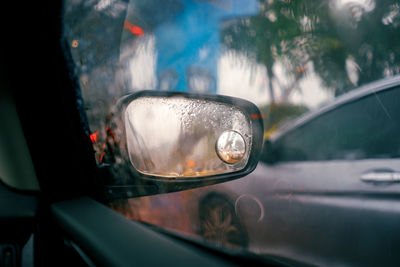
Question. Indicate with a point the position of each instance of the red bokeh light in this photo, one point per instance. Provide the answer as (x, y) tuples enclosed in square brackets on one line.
[(133, 28)]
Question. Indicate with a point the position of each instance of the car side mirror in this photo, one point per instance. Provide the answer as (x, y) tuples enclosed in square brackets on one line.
[(178, 140)]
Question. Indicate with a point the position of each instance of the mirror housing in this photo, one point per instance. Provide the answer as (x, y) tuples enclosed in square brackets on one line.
[(177, 140)]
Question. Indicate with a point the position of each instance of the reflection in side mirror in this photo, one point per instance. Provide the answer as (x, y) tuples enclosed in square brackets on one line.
[(231, 147), (177, 137), (187, 136)]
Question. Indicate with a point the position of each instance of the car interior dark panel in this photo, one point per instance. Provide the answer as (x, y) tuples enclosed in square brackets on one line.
[(17, 225), (79, 219)]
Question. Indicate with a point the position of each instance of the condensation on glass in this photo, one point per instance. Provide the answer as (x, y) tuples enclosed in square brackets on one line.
[(176, 137)]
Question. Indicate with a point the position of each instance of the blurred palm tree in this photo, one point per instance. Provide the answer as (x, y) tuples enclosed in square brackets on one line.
[(347, 43)]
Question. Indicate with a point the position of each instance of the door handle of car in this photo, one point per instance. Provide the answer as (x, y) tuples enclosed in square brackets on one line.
[(376, 176)]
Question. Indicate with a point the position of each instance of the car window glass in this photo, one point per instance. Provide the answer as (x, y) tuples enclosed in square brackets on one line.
[(288, 57), (364, 128)]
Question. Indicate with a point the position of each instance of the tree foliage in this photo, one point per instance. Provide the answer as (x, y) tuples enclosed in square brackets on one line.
[(348, 43)]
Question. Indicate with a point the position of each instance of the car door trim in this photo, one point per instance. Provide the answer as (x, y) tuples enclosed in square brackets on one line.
[(109, 239)]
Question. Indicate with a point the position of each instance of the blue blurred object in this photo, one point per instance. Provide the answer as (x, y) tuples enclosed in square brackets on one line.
[(187, 38), (188, 44)]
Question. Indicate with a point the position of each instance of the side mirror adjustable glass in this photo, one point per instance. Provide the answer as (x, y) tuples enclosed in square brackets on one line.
[(179, 140)]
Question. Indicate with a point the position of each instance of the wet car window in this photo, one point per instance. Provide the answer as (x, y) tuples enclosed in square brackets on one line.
[(324, 74), (370, 132)]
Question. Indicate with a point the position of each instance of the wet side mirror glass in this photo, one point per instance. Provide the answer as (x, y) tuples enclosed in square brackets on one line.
[(183, 136)]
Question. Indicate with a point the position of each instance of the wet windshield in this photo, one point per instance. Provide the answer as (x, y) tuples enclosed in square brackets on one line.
[(322, 73)]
